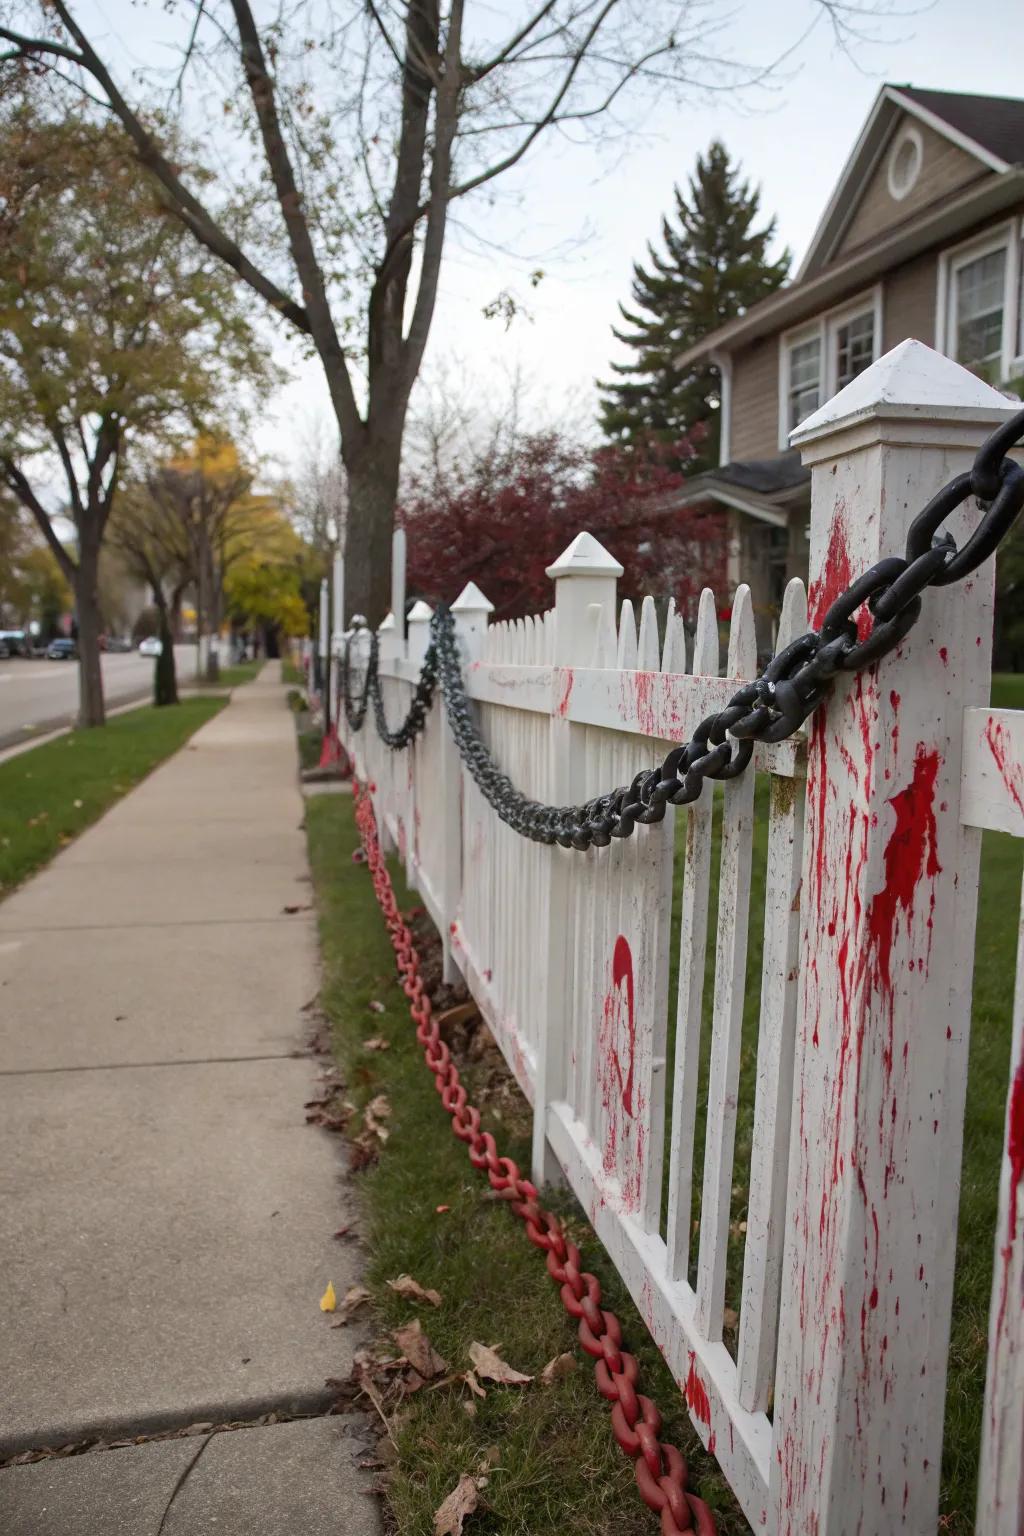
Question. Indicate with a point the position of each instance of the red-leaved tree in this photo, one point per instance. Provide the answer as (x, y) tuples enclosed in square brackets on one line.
[(501, 517)]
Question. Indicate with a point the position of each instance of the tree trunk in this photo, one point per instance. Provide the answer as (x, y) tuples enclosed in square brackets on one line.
[(165, 677), (372, 492), (87, 605), (212, 586)]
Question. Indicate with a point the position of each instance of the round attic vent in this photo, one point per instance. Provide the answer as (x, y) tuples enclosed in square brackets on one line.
[(905, 163)]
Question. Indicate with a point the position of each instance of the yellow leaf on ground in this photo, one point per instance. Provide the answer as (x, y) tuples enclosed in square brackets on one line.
[(328, 1301)]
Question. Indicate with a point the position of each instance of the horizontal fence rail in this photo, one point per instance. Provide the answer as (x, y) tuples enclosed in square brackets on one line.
[(805, 1310)]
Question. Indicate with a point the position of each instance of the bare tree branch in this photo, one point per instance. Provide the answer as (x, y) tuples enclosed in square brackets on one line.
[(184, 203), (321, 322)]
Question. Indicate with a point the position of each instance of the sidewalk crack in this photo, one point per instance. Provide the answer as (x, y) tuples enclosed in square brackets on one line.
[(182, 1480)]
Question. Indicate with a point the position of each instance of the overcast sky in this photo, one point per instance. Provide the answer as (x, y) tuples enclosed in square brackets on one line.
[(584, 216)]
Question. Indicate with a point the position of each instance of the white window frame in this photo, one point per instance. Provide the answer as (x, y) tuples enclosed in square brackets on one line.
[(1005, 237), (826, 328)]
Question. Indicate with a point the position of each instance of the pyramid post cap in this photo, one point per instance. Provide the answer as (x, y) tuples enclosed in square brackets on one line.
[(472, 600), (420, 612), (388, 622), (585, 557), (912, 379)]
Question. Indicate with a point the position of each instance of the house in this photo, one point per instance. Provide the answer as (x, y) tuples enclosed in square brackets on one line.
[(922, 237)]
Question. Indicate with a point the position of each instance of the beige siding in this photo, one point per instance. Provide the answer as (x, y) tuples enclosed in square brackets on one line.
[(944, 169), (908, 301), (755, 401)]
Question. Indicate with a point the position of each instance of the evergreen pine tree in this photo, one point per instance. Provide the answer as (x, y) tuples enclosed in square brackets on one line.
[(714, 268)]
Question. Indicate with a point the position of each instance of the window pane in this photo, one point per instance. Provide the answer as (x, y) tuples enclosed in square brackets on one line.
[(978, 299), (804, 380), (855, 347)]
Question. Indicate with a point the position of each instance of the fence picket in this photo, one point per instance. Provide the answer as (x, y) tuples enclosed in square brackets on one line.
[(1001, 1476), (730, 987), (769, 1159), (693, 929)]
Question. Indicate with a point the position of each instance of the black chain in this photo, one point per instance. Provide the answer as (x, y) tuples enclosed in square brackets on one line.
[(769, 709), (419, 709)]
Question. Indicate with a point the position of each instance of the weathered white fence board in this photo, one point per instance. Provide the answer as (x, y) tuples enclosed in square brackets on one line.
[(864, 1007)]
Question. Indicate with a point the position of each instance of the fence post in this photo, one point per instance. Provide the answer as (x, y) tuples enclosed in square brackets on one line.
[(398, 587), (888, 903), (584, 574)]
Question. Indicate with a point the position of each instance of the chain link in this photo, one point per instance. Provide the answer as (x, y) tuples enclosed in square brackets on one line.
[(356, 707), (770, 709), (660, 1470)]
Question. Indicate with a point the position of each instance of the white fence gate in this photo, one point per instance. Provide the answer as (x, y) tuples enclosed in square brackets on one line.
[(829, 1417)]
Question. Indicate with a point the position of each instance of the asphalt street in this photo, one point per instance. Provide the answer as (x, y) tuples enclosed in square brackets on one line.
[(38, 695)]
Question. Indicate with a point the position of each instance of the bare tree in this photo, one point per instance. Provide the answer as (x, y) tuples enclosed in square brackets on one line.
[(375, 118)]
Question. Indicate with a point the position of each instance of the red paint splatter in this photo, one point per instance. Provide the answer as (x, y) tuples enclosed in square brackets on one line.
[(697, 1398), (1012, 774), (1015, 1156), (910, 854), (945, 655), (622, 971), (646, 710), (836, 575), (562, 708)]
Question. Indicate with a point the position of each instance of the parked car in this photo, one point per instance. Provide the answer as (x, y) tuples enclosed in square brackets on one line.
[(16, 642), (5, 649), (62, 649), (151, 646), (118, 643)]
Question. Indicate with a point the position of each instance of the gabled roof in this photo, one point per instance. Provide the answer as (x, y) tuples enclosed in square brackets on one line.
[(991, 128), (991, 123)]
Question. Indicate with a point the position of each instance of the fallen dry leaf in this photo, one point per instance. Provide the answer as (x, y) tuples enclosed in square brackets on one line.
[(375, 1006), (469, 1377), (730, 1317), (440, 1209), (462, 1501), (489, 1364), (377, 1110), (561, 1365), (457, 1015), (411, 1289), (378, 1043), (292, 907), (328, 1301), (419, 1351), (356, 1296)]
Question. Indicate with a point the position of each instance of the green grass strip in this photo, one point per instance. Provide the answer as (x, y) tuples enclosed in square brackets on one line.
[(559, 1467), (53, 792)]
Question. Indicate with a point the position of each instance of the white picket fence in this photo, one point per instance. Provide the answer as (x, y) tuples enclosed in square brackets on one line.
[(829, 1417)]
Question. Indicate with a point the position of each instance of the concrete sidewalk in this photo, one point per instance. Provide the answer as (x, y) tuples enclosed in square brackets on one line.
[(165, 1213)]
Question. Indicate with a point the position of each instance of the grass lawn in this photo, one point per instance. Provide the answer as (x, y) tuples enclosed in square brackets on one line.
[(230, 677), (559, 1466), (51, 793), (292, 675)]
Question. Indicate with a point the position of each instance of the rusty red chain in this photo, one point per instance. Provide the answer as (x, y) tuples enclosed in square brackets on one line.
[(661, 1471)]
